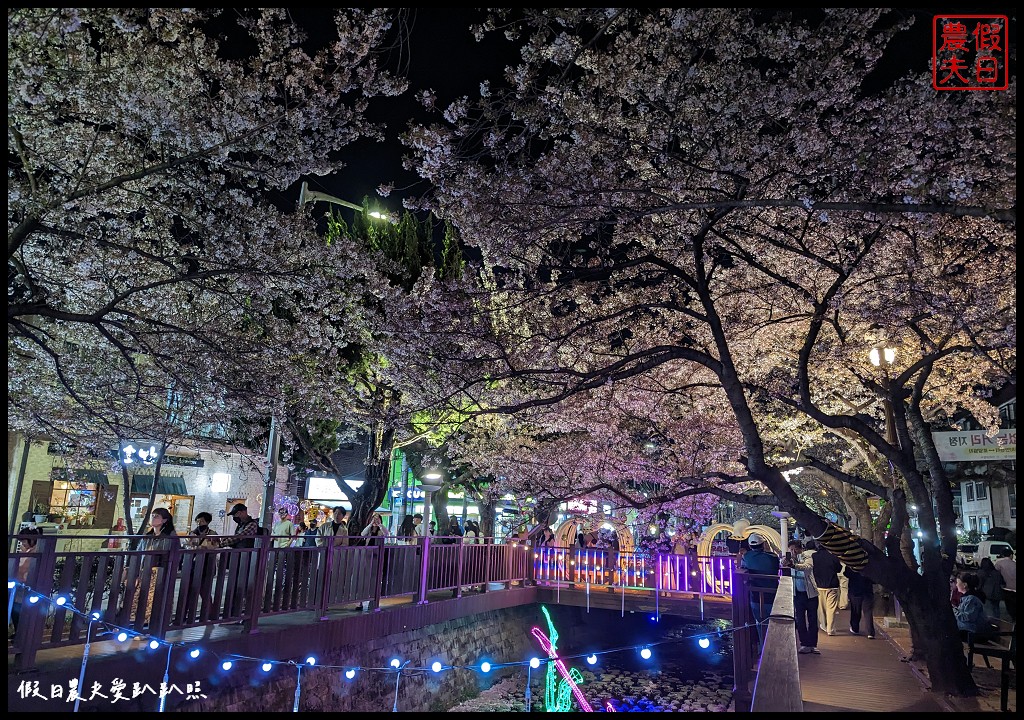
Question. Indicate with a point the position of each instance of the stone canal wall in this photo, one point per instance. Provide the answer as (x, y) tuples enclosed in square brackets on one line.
[(497, 636)]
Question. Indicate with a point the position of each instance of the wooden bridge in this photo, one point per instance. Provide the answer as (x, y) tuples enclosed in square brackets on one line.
[(236, 596)]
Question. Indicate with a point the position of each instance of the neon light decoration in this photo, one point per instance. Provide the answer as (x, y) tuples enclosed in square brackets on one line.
[(557, 691)]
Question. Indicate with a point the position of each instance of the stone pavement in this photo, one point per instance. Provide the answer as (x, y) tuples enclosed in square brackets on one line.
[(987, 679)]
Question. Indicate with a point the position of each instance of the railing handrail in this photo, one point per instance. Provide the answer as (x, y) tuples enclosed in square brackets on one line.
[(243, 583)]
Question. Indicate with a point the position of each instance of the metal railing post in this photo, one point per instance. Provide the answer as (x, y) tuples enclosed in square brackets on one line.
[(458, 569), (325, 588), (263, 545), (378, 587), (657, 591), (488, 551), (530, 576), (741, 645), (424, 564)]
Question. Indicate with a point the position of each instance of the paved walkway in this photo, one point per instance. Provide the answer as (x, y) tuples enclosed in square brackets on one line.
[(987, 679), (853, 673)]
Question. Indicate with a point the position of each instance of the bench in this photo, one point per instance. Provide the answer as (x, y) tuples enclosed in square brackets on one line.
[(1001, 645)]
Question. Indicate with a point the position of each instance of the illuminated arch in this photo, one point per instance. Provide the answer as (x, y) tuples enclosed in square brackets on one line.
[(565, 534), (740, 531)]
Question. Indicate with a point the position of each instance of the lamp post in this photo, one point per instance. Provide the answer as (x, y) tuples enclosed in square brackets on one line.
[(884, 357), (307, 196), (783, 517), (428, 489), (85, 661)]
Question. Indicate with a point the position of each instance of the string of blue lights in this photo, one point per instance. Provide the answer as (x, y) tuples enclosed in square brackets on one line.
[(228, 660)]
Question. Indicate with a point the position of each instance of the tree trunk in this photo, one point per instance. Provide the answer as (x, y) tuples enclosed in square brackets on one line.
[(487, 515), (439, 510), (544, 512), (152, 490), (940, 645), (375, 487)]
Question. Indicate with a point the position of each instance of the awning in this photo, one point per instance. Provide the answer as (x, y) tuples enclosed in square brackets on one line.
[(93, 476), (143, 484)]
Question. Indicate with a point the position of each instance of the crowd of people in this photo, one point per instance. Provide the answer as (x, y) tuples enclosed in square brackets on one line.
[(977, 597)]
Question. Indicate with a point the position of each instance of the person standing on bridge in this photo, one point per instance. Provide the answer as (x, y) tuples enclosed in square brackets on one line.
[(764, 567), (862, 602), (334, 532), (160, 538), (805, 598), (826, 579), (246, 531), (204, 567)]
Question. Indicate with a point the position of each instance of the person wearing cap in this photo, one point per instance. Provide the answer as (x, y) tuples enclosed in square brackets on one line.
[(765, 567), (246, 530)]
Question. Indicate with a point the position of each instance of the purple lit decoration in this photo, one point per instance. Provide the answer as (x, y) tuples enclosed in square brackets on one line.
[(222, 513), (291, 502)]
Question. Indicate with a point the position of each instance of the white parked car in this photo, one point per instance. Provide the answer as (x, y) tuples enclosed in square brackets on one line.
[(971, 555), (991, 549), (965, 555)]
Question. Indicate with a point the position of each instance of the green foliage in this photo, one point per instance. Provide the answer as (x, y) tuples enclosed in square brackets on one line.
[(452, 263), (405, 246)]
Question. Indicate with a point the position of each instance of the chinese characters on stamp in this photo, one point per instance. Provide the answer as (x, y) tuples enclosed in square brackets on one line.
[(969, 52)]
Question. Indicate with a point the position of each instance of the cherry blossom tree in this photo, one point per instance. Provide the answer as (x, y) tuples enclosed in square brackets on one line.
[(376, 411), (154, 257), (727, 197)]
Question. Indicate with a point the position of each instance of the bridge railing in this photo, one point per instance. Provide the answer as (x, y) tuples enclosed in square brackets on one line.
[(635, 571), (158, 591)]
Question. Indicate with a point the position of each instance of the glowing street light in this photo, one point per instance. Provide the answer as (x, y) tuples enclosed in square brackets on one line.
[(307, 196), (884, 357)]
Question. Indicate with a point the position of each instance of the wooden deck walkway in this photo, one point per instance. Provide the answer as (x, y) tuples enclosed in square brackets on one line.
[(855, 674)]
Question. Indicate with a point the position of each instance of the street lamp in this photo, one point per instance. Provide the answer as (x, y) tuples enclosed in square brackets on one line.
[(783, 517), (428, 488), (884, 357), (307, 196)]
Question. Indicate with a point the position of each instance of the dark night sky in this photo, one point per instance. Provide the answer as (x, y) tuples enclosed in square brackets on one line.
[(442, 55)]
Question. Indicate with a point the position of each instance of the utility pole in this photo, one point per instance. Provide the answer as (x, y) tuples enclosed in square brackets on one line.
[(270, 479), (402, 501)]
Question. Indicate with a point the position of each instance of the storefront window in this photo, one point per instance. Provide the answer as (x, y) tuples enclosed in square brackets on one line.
[(180, 507), (74, 502)]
